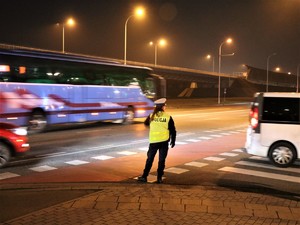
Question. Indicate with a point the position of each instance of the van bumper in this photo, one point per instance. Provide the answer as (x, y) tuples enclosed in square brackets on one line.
[(248, 137), (253, 145)]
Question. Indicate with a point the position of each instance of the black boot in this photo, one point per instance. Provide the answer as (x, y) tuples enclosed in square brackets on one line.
[(159, 180), (142, 179)]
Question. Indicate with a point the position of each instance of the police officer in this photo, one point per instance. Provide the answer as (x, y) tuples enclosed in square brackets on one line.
[(162, 130)]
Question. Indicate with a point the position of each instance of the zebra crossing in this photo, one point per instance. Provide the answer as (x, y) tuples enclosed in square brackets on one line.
[(251, 167), (262, 174), (256, 167), (182, 139)]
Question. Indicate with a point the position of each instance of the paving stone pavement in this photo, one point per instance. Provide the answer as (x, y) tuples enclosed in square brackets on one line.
[(131, 203)]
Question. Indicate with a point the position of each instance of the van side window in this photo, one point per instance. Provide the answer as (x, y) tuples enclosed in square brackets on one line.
[(281, 109)]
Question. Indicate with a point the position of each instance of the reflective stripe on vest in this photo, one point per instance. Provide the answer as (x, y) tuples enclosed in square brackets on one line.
[(159, 131)]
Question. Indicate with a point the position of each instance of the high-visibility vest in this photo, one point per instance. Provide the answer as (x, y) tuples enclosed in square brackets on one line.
[(159, 131)]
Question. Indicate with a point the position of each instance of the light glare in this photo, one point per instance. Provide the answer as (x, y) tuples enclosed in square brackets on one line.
[(229, 40), (139, 12), (162, 42), (70, 22)]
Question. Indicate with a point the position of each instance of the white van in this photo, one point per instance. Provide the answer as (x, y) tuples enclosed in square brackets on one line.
[(274, 129)]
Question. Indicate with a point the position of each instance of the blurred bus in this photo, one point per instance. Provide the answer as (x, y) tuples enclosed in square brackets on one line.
[(40, 88)]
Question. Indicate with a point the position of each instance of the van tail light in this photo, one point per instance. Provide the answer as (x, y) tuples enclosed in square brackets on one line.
[(254, 117)]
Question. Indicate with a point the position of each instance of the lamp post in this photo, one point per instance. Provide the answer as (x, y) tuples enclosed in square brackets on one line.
[(268, 60), (298, 67), (162, 43), (71, 23), (229, 40), (138, 12), (213, 61)]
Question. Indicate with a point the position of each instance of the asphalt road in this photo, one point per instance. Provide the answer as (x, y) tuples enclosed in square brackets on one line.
[(89, 152), (208, 152)]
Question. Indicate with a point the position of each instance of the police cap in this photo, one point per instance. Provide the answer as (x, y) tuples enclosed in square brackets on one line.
[(161, 101)]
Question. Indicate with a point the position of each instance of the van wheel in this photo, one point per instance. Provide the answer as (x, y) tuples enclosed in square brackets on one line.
[(129, 116), (4, 154), (37, 122), (282, 154)]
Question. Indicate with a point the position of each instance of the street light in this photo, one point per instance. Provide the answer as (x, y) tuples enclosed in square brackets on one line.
[(298, 67), (161, 42), (213, 61), (70, 22), (139, 12), (268, 59), (228, 41)]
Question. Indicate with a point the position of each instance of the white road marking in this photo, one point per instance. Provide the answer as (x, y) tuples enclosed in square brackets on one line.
[(196, 164), (76, 162), (139, 141), (260, 165), (42, 168), (193, 140), (127, 153), (265, 159), (8, 175), (206, 138), (212, 131), (226, 134), (180, 143), (237, 150), (176, 170), (228, 154), (216, 159), (216, 135), (273, 176), (103, 157), (144, 149), (233, 132), (185, 134), (243, 130)]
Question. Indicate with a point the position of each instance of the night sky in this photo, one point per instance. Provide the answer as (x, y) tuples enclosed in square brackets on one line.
[(192, 28)]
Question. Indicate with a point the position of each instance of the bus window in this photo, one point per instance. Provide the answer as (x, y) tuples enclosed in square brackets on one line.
[(100, 79)]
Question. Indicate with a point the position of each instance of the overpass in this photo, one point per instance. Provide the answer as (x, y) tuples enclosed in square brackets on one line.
[(189, 83)]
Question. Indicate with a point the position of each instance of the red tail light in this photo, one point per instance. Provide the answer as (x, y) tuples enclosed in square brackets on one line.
[(254, 117)]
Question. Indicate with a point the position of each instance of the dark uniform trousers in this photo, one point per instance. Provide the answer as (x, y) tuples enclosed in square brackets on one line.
[(162, 147)]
